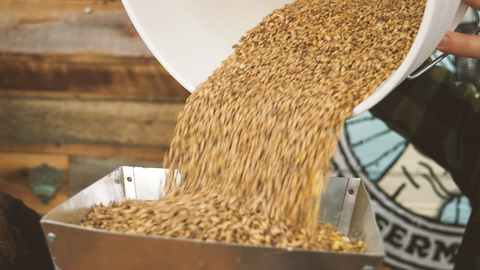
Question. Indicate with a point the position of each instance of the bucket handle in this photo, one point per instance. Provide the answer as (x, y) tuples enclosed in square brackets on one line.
[(436, 61)]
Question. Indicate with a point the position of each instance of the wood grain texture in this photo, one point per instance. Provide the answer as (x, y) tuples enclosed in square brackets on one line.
[(54, 49), (14, 178), (64, 27), (140, 124), (85, 171), (87, 76), (153, 154)]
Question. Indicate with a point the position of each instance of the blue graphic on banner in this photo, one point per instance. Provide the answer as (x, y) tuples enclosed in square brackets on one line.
[(375, 146), (404, 186), (457, 211), (413, 198)]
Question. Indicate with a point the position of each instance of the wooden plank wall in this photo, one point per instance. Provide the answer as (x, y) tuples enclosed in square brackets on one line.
[(78, 91)]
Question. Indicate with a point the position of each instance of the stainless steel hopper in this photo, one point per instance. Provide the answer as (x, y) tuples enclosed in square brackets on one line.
[(345, 205)]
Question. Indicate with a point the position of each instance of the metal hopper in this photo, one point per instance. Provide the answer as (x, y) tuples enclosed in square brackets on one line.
[(345, 205)]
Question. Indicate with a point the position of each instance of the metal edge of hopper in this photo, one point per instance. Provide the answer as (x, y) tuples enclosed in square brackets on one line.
[(363, 224), (76, 247), (109, 188), (348, 207), (129, 183)]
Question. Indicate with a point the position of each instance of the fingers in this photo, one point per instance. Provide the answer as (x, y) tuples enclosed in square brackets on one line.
[(473, 3), (461, 44)]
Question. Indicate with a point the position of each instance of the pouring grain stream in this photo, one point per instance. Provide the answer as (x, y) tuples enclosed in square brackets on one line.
[(255, 140)]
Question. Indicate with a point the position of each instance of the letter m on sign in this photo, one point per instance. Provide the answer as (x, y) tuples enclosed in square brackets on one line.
[(441, 250)]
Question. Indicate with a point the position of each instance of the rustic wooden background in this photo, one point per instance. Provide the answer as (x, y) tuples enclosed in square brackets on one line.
[(79, 91)]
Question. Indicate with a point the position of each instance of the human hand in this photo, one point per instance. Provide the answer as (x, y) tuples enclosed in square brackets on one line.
[(463, 45)]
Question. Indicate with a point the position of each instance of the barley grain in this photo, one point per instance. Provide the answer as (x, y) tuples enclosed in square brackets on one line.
[(255, 140)]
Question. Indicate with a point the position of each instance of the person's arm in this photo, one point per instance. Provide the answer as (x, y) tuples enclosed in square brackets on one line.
[(461, 44), (440, 118)]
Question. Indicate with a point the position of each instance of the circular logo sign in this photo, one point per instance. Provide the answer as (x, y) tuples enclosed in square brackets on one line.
[(419, 210)]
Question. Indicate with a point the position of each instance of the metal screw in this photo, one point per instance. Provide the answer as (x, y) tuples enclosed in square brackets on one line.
[(368, 267), (351, 191), (88, 10), (51, 237), (129, 179)]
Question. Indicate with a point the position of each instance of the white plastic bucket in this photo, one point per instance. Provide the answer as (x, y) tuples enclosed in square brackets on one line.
[(191, 38)]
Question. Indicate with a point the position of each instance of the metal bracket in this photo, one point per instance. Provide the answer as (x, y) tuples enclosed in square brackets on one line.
[(436, 61), (349, 205), (129, 183)]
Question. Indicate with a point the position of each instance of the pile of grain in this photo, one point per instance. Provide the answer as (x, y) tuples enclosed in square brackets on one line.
[(262, 129), (211, 218)]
